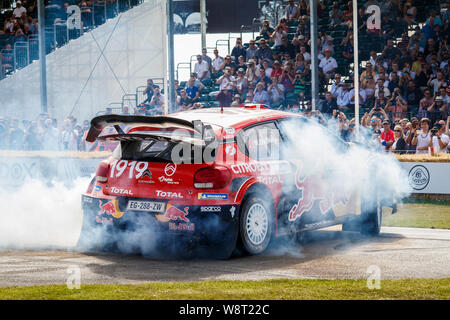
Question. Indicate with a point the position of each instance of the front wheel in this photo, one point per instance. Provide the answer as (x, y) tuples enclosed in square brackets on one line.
[(256, 225)]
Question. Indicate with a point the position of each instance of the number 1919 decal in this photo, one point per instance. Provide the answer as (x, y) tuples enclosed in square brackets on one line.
[(118, 167)]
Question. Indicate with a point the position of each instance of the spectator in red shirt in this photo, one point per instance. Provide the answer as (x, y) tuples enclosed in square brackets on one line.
[(276, 70), (387, 136)]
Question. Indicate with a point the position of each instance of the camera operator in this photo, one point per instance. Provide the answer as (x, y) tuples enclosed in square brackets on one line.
[(378, 109), (148, 91), (439, 140), (397, 106), (278, 35), (410, 135), (226, 81), (266, 30), (157, 102)]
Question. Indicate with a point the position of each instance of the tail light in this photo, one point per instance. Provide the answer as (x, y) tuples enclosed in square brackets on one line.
[(102, 172), (212, 178)]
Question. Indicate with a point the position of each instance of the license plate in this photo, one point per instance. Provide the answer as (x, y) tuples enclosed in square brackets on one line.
[(146, 206)]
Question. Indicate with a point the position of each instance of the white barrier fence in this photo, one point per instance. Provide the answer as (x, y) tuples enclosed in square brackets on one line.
[(428, 177)]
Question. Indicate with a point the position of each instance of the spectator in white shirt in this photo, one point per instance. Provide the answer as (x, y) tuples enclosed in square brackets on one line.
[(217, 62), (19, 10), (439, 139), (306, 55), (373, 58), (343, 99), (328, 65), (336, 87), (226, 81), (437, 82), (381, 86), (422, 137), (201, 68), (268, 69)]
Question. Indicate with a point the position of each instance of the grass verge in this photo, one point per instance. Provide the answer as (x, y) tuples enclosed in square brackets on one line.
[(279, 289), (425, 215)]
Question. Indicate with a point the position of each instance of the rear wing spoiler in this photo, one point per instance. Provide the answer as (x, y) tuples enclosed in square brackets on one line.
[(152, 137), (101, 122)]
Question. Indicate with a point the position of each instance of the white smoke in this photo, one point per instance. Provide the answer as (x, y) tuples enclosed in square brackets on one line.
[(322, 154), (41, 215)]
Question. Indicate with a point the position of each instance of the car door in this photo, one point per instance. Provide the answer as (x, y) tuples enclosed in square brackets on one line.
[(312, 197)]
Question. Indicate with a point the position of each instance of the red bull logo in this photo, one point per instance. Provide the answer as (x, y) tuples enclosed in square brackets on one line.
[(110, 208), (315, 188), (173, 213)]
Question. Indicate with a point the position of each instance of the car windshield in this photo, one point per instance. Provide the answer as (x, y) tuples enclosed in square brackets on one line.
[(159, 151)]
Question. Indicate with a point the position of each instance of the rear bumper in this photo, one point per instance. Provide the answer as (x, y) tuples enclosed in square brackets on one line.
[(205, 223)]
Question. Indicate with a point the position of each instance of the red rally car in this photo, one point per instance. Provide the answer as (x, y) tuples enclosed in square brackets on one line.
[(211, 178)]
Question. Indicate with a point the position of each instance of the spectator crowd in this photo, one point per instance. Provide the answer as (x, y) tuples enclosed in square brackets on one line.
[(406, 83), (47, 134)]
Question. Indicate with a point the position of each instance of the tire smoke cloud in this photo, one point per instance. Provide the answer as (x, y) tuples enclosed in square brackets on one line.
[(41, 215)]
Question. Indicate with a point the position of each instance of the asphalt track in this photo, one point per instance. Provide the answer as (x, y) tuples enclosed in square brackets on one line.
[(331, 254)]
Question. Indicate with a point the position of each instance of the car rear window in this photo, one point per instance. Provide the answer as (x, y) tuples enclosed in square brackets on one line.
[(145, 150), (157, 151)]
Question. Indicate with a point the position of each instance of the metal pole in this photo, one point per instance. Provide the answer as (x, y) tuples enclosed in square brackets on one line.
[(314, 54), (356, 64), (203, 22), (42, 56), (171, 57)]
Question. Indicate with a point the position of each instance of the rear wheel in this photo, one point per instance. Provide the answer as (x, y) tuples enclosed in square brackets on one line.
[(371, 216), (256, 224)]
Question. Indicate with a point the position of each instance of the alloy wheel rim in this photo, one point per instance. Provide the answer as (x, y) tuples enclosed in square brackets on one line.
[(257, 224)]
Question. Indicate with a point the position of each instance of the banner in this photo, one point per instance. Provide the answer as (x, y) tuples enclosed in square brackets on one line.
[(15, 171), (222, 16), (428, 177)]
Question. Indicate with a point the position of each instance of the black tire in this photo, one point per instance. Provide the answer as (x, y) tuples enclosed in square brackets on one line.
[(371, 216), (256, 212)]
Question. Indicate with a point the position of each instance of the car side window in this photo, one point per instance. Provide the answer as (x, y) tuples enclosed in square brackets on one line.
[(291, 129), (262, 142)]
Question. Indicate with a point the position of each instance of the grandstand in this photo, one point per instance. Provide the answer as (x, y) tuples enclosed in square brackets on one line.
[(88, 73), (367, 42)]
